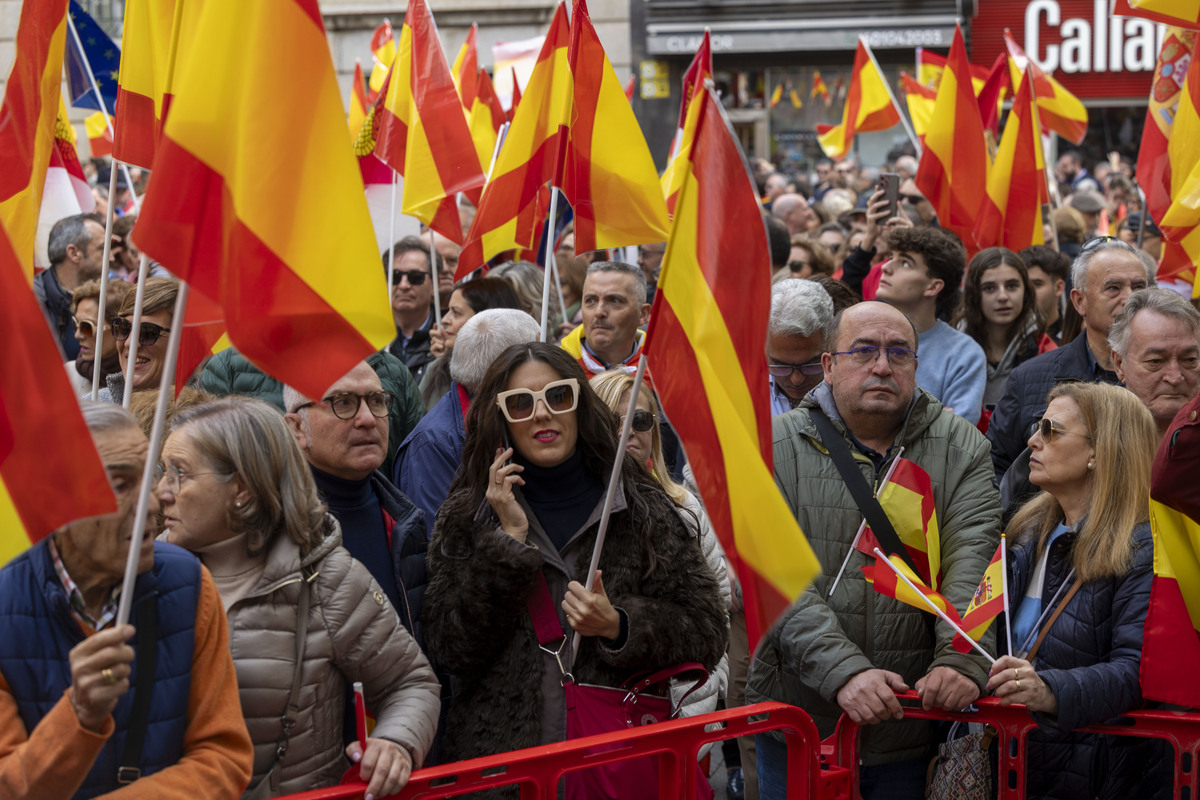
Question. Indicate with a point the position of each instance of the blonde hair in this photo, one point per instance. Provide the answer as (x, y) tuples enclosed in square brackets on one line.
[(610, 386), (1124, 439)]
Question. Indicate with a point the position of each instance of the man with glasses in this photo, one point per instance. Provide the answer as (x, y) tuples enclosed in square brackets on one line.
[(412, 304), (849, 651), (800, 311), (76, 253), (1103, 276)]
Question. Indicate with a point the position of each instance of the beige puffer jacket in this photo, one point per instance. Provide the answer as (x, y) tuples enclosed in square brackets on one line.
[(354, 634)]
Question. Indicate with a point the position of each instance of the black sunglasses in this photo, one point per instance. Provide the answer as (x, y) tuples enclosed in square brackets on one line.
[(147, 336), (643, 420), (798, 266), (415, 276)]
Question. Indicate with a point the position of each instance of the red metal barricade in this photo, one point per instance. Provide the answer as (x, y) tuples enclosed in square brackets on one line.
[(538, 770)]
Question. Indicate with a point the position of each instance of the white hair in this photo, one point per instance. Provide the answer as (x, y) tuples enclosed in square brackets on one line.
[(482, 339), (799, 308)]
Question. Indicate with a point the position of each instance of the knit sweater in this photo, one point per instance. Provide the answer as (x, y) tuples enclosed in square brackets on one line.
[(952, 367)]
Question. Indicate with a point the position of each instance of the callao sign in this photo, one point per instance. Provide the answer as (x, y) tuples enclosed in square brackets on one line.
[(1091, 52)]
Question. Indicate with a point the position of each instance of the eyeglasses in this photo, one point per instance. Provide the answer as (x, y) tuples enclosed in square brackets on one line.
[(809, 368), (869, 354), (912, 199), (85, 326), (798, 266), (1048, 428), (415, 276), (345, 405), (175, 476), (1096, 241), (520, 405), (845, 170), (147, 336), (643, 420)]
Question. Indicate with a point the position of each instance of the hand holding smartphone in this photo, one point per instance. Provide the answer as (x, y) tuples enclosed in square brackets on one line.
[(889, 184)]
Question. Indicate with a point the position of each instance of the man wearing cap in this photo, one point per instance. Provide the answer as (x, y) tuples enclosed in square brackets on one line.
[(1089, 204)]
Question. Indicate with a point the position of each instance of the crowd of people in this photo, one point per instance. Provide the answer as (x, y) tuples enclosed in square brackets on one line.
[(425, 529)]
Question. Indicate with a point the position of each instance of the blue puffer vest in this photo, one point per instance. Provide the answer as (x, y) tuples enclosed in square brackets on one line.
[(38, 632)]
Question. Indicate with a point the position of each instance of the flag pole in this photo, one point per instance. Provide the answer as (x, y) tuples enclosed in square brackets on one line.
[(879, 555), (165, 394), (562, 301), (391, 248), (549, 255), (613, 480), (500, 137), (908, 129), (434, 273), (1004, 589), (102, 304), (107, 123), (863, 525), (134, 333)]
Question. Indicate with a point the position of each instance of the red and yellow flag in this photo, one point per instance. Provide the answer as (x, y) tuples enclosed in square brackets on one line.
[(1059, 110), (887, 582), (257, 202), (466, 70), (383, 53), (423, 134), (930, 67), (955, 159), (907, 499), (991, 96), (704, 347), (1181, 222), (357, 113), (486, 118), (920, 100), (99, 137), (1154, 163), (1011, 215), (27, 118), (868, 106), (1171, 642), (988, 602), (516, 94), (698, 71), (1182, 13), (36, 426), (819, 89)]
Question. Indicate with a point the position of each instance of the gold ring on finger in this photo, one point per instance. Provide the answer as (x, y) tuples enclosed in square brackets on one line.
[(1018, 682), (109, 678)]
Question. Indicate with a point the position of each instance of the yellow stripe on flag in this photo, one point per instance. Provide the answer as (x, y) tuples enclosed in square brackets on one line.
[(1176, 544)]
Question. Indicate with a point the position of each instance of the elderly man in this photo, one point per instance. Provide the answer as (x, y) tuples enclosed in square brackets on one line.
[(849, 651), (412, 304), (344, 436), (614, 307), (87, 707), (1103, 277), (800, 312), (1155, 345), (794, 210), (429, 457), (76, 253)]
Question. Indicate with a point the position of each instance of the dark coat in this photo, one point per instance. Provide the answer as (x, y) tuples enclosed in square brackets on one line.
[(429, 457), (1024, 399), (1090, 660), (477, 623), (408, 543), (56, 305)]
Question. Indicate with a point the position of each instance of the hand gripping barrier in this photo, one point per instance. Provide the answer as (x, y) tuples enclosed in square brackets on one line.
[(1013, 723), (538, 770)]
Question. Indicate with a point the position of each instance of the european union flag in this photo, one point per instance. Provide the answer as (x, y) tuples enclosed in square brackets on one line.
[(97, 50)]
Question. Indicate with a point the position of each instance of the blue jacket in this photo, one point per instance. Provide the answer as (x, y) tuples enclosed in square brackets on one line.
[(1024, 398), (408, 544), (429, 457), (1090, 660), (38, 632)]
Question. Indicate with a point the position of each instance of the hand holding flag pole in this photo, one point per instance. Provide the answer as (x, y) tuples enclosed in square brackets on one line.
[(863, 525)]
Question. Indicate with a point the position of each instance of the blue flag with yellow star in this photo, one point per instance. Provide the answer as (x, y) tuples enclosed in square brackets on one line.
[(101, 53)]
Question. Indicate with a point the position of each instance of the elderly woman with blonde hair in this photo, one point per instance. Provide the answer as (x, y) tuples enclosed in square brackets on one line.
[(305, 619)]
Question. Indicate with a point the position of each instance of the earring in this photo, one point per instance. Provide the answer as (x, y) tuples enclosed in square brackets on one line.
[(1091, 464), (239, 502)]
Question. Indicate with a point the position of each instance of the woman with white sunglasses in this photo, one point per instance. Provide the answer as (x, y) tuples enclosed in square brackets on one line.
[(521, 518)]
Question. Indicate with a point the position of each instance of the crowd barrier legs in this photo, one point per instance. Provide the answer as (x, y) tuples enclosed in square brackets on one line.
[(676, 745)]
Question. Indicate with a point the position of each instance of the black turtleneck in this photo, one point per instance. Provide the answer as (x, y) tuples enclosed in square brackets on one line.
[(357, 509), (562, 497)]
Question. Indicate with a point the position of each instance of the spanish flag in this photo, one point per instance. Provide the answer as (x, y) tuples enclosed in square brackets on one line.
[(423, 134), (907, 499), (27, 119), (1011, 215), (1171, 642), (930, 67), (1180, 224), (987, 603), (954, 164), (698, 71), (357, 114), (45, 446), (99, 137), (920, 100), (819, 89), (383, 53), (886, 580), (1154, 167), (291, 261), (1182, 13), (704, 346), (1059, 110), (485, 120), (466, 69), (868, 106)]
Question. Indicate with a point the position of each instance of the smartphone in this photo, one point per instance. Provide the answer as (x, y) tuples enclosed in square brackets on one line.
[(889, 182)]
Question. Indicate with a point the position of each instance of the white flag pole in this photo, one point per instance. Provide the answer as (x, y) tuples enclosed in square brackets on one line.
[(547, 277), (863, 525), (139, 297), (102, 305), (392, 242), (434, 272), (880, 557), (1004, 590)]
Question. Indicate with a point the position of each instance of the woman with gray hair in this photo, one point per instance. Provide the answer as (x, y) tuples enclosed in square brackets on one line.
[(305, 619)]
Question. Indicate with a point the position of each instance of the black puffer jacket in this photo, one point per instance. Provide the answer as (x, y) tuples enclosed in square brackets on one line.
[(1090, 660)]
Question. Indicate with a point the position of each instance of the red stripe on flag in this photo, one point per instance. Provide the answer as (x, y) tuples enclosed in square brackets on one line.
[(1170, 648), (393, 139), (587, 58), (135, 129)]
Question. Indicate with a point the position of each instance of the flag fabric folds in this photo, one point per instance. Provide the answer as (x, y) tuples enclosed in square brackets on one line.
[(99, 137), (1011, 215), (920, 100), (987, 603), (27, 117), (1059, 110), (1171, 642), (704, 347), (868, 107), (383, 53), (1154, 163), (356, 115), (142, 92), (466, 69), (261, 207), (991, 96), (698, 71), (887, 582), (36, 462), (954, 162), (100, 53), (930, 67), (907, 499), (485, 120), (66, 191), (1180, 224), (423, 132), (1181, 13), (819, 89)]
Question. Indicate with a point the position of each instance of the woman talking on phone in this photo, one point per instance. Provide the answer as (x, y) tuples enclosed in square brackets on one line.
[(523, 515)]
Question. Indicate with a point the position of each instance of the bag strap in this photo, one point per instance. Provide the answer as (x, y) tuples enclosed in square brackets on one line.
[(139, 718), (1062, 604), (860, 490)]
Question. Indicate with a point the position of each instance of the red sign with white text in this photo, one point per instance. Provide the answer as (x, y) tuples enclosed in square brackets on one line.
[(1092, 53)]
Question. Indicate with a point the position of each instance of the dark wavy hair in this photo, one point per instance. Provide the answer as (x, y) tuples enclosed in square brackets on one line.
[(971, 310), (597, 443), (484, 293)]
